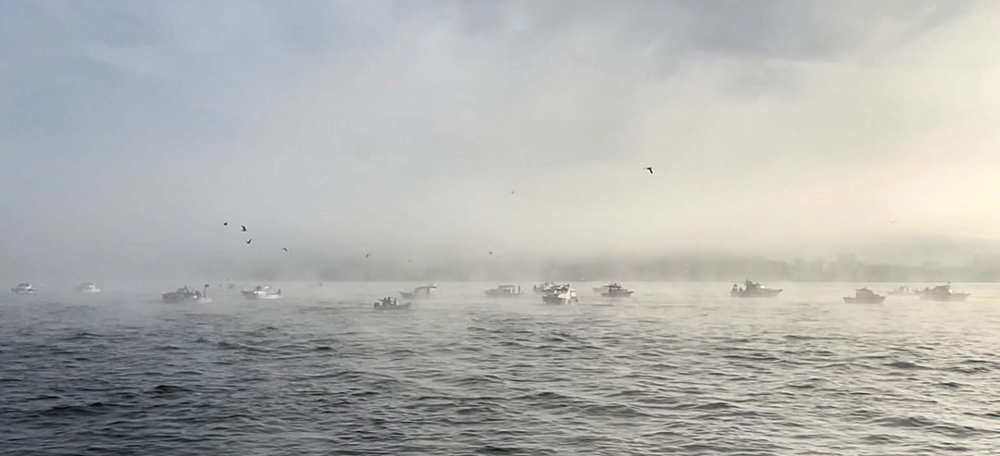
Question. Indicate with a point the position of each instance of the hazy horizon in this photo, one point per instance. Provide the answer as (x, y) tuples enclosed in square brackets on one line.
[(433, 133)]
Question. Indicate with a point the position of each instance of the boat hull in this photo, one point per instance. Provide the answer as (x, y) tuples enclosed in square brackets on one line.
[(765, 293), (954, 297), (622, 294), (396, 307), (872, 300)]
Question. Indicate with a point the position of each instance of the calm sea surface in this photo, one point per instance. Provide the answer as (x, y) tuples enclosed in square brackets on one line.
[(678, 369)]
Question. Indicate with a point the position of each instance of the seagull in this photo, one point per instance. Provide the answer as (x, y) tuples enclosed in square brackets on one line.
[(649, 168), (249, 241), (225, 223), (367, 255), (285, 249), (245, 227), (491, 252), (511, 192)]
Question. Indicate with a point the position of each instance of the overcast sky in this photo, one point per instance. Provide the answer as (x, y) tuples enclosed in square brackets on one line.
[(130, 131)]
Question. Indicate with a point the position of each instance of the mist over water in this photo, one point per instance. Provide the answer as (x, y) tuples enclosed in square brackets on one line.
[(679, 369), (370, 147)]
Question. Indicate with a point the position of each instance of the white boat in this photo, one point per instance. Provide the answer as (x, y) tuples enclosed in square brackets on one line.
[(901, 291), (942, 293), (261, 292), (615, 290), (389, 303), (603, 289), (186, 294), (423, 291), (504, 290), (544, 288), (753, 290), (88, 287), (561, 294), (23, 288), (864, 296)]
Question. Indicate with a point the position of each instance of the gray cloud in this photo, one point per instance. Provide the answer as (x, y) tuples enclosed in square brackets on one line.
[(775, 127)]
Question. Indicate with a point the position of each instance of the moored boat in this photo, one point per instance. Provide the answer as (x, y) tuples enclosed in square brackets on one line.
[(901, 291), (423, 291), (389, 303), (753, 290), (261, 292), (544, 288), (88, 287), (23, 288), (865, 296), (615, 290), (186, 294), (942, 293), (504, 290), (561, 294)]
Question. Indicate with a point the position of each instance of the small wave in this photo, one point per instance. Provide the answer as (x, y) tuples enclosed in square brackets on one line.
[(169, 389), (94, 408), (975, 369), (83, 335), (905, 365)]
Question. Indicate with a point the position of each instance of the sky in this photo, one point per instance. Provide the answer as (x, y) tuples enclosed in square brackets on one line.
[(433, 131)]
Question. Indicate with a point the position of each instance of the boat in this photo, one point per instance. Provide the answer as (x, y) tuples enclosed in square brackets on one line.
[(865, 296), (186, 294), (88, 287), (615, 290), (901, 291), (544, 288), (504, 290), (423, 291), (261, 292), (942, 293), (753, 290), (389, 303), (23, 288), (560, 294), (602, 289)]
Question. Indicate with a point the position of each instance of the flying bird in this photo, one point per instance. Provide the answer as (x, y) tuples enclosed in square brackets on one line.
[(245, 227), (225, 223), (367, 255), (491, 252), (249, 241), (649, 168), (285, 249)]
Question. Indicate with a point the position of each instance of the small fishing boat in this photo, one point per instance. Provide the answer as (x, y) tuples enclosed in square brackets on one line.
[(864, 296), (423, 291), (615, 290), (186, 294), (504, 290), (753, 290), (261, 292), (23, 288), (544, 288), (88, 287), (942, 293), (561, 294), (389, 303), (901, 291)]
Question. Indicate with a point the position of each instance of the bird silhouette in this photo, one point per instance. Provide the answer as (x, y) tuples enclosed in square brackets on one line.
[(367, 255), (225, 223), (649, 168), (249, 241), (244, 228), (491, 252), (511, 192), (285, 249)]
